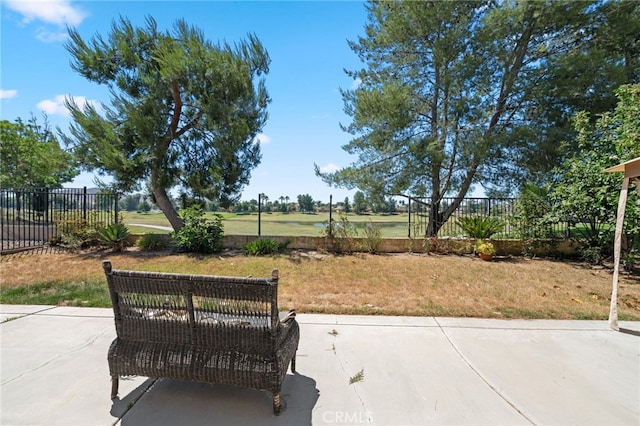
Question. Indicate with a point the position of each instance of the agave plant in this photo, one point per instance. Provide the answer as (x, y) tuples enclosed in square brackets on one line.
[(481, 227), (114, 235)]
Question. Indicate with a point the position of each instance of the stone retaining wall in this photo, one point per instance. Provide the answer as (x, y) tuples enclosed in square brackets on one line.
[(409, 245), (416, 245)]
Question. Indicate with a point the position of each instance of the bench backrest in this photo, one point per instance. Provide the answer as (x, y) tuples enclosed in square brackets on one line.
[(216, 311)]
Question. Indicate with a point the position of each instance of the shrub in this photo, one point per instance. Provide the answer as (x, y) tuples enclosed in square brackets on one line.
[(152, 242), (78, 232), (534, 219), (595, 242), (481, 227), (199, 234), (486, 248), (114, 236), (433, 245), (340, 235), (262, 247), (373, 237)]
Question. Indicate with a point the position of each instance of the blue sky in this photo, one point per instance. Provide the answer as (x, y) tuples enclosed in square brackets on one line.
[(306, 40)]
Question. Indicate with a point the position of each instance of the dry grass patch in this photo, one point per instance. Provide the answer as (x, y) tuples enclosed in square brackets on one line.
[(365, 284)]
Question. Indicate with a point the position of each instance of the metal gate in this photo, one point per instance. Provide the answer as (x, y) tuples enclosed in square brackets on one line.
[(31, 217)]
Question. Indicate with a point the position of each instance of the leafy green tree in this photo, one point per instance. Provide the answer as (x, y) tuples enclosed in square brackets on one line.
[(184, 111), (240, 207), (306, 203), (381, 204), (584, 192), (265, 206), (359, 202), (347, 205), (615, 35), (144, 207), (284, 204), (534, 206), (130, 202), (30, 156), (583, 79), (449, 97)]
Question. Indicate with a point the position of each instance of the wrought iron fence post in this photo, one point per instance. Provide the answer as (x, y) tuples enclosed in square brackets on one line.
[(115, 206), (330, 215), (84, 204), (409, 211), (259, 214), (47, 208)]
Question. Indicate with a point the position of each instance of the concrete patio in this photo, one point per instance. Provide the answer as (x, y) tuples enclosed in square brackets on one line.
[(414, 371)]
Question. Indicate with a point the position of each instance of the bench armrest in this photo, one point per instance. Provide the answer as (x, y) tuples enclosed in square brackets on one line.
[(287, 316), (288, 328)]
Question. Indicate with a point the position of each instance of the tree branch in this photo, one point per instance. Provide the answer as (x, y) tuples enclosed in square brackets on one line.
[(177, 110), (512, 69)]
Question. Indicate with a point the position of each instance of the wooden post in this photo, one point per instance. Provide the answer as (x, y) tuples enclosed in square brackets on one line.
[(617, 243), (631, 170)]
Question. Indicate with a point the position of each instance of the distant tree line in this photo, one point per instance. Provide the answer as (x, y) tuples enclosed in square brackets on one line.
[(305, 204)]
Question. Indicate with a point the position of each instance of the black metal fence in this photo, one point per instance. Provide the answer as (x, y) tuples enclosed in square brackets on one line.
[(414, 216), (505, 209), (30, 218)]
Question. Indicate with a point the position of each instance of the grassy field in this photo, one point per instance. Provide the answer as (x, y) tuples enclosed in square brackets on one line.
[(408, 284), (299, 224), (291, 224)]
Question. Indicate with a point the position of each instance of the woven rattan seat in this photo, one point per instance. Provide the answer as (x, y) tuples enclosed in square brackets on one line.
[(203, 328)]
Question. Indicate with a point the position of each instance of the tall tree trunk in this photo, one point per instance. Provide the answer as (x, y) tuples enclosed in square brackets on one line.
[(164, 202), (159, 190), (435, 217), (512, 69)]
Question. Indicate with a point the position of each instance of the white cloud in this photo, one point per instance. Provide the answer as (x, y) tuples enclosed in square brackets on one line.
[(262, 139), (8, 94), (329, 168), (47, 36), (356, 83), (59, 12), (56, 106)]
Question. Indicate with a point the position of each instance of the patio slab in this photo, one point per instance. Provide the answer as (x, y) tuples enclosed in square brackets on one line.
[(350, 370)]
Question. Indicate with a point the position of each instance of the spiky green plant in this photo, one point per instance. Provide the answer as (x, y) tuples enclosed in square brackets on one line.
[(261, 247), (481, 227), (114, 236)]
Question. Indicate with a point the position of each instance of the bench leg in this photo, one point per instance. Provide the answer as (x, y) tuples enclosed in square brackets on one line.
[(277, 404), (114, 387)]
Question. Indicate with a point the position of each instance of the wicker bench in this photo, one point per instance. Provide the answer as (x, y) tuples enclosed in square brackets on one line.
[(204, 328)]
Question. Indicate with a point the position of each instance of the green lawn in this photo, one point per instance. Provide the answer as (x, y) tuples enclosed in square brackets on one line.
[(291, 224), (145, 230), (313, 225)]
